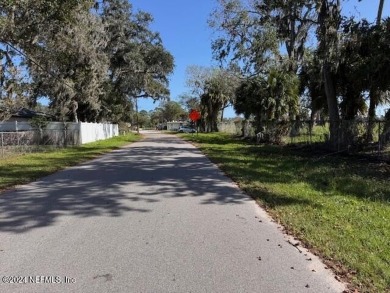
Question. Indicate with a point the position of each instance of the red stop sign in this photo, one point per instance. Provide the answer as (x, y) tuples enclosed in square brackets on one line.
[(194, 115)]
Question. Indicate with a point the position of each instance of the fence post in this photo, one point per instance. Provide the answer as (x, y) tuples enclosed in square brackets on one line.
[(80, 134), (2, 145), (65, 128), (379, 138), (17, 134)]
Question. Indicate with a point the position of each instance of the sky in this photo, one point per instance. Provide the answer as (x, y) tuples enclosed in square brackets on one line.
[(183, 27)]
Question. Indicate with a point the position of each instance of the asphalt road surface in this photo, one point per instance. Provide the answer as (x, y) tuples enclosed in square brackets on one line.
[(156, 216)]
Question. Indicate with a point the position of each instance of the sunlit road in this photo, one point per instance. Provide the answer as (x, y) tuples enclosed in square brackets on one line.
[(156, 216)]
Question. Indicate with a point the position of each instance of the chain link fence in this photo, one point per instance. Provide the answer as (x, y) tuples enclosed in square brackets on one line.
[(363, 137), (18, 137), (20, 142)]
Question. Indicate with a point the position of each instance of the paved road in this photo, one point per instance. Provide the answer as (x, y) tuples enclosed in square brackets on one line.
[(156, 216)]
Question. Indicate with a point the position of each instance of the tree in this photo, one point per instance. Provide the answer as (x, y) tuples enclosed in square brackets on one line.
[(329, 20), (377, 69), (351, 74), (312, 85), (366, 67), (157, 116), (196, 81), (143, 119), (215, 87), (75, 56), (243, 37), (22, 24), (89, 64), (189, 102), (267, 98), (252, 30), (139, 64), (282, 94), (251, 33), (61, 45), (13, 87), (376, 96), (172, 111), (118, 20), (249, 98)]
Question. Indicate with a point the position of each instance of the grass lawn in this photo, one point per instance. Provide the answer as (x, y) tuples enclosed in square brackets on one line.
[(26, 168), (339, 207)]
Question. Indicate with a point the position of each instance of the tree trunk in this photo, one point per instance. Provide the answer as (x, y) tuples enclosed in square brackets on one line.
[(75, 106), (371, 113), (328, 19), (223, 111), (214, 119), (333, 109), (243, 127), (212, 110)]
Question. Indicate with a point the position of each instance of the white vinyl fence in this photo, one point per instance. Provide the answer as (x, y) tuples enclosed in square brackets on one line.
[(90, 132)]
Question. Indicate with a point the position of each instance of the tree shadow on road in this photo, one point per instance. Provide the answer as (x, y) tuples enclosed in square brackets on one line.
[(130, 180)]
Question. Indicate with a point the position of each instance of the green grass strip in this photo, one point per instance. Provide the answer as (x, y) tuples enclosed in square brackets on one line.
[(26, 168), (339, 207)]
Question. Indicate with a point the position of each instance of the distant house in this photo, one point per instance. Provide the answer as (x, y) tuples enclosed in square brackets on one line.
[(24, 114), (174, 125), (20, 120)]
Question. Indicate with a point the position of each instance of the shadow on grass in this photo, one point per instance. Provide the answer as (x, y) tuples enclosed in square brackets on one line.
[(272, 199), (213, 138), (275, 164), (330, 175)]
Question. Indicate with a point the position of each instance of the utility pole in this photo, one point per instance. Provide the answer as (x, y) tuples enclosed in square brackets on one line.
[(380, 10), (136, 114)]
